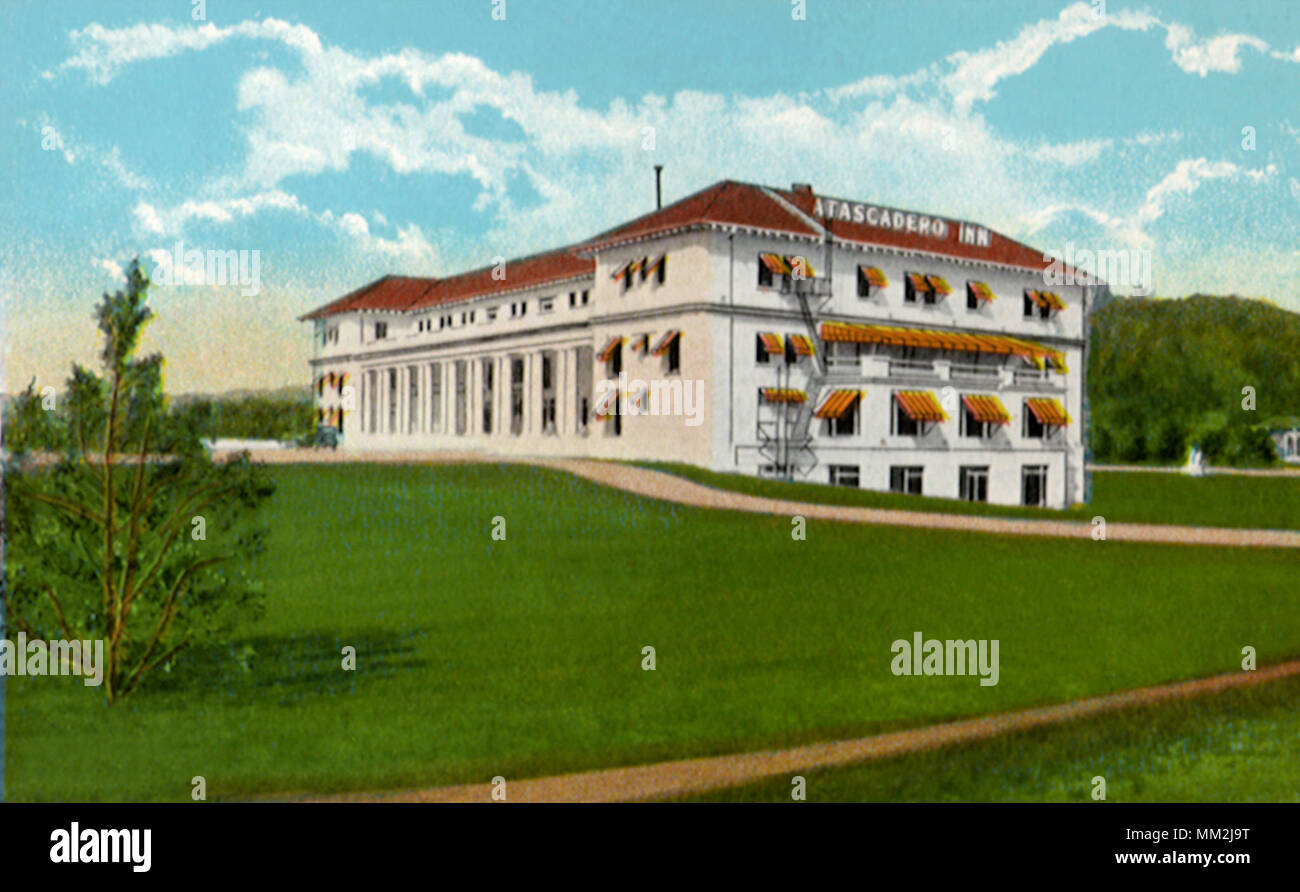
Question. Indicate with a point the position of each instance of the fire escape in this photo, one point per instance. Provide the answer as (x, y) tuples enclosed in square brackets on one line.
[(787, 443)]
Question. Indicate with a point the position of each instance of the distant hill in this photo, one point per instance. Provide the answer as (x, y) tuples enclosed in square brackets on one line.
[(1164, 374)]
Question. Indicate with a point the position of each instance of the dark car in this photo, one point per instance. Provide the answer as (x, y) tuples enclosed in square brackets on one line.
[(327, 436)]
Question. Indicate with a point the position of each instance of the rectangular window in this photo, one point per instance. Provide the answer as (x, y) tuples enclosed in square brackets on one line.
[(381, 330), (864, 284), (392, 401), (586, 295), (1033, 485), (764, 274), (1030, 427), (662, 271), (546, 305), (517, 396), (844, 426), (413, 400), (844, 475), (906, 479), (573, 298), (462, 397), (761, 356), (488, 367), (372, 399), (675, 355), (973, 483), (972, 302), (548, 392), (972, 426), (904, 425), (435, 397)]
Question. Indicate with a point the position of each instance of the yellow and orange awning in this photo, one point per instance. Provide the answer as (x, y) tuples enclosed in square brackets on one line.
[(936, 339), (652, 267), (641, 342), (776, 263), (1048, 299), (981, 290), (783, 395), (919, 283), (803, 345), (772, 343), (622, 272), (987, 408), (665, 342), (920, 405), (795, 260), (875, 278), (610, 349), (939, 285), (1048, 411), (838, 403)]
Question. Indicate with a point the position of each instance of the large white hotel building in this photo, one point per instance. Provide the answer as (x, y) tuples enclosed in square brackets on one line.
[(745, 329)]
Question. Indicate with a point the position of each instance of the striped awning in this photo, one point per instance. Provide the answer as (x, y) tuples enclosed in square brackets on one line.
[(919, 283), (986, 407), (641, 342), (981, 291), (665, 342), (875, 278), (936, 339), (652, 267), (610, 349), (1049, 299), (803, 345), (772, 343), (838, 403), (622, 272), (783, 395), (920, 405), (939, 285), (1048, 411), (776, 263), (795, 260)]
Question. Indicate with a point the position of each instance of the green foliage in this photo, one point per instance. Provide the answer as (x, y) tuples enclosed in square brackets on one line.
[(254, 416), (102, 536), (1164, 375)]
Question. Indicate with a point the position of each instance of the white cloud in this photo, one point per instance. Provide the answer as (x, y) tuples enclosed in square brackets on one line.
[(1221, 53)]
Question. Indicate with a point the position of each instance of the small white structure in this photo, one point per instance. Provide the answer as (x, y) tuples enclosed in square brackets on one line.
[(1197, 462), (1288, 445)]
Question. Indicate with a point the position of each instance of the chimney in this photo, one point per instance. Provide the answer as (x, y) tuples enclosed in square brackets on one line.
[(659, 196), (801, 188)]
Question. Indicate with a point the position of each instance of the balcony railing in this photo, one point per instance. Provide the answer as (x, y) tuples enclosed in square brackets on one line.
[(976, 372), (911, 367)]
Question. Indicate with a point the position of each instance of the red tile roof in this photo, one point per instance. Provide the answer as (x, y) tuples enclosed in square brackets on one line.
[(404, 293), (727, 203)]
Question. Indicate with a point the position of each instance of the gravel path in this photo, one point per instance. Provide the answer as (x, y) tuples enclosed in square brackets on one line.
[(689, 777)]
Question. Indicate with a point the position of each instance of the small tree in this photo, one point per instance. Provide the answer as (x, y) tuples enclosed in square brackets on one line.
[(119, 526)]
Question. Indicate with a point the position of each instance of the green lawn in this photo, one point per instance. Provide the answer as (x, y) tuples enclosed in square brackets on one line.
[(523, 657), (1218, 500), (1237, 746)]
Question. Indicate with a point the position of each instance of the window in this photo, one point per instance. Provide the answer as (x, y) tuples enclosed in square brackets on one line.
[(413, 400), (846, 425), (586, 296), (970, 425), (372, 386), (548, 393), (573, 298), (909, 288), (517, 396), (1044, 309), (546, 305), (1030, 427), (661, 271), (1033, 485), (972, 302), (392, 401), (462, 397), (844, 475), (381, 330), (904, 425), (905, 479), (435, 397), (764, 274), (675, 355), (973, 484), (491, 314), (761, 356), (489, 367)]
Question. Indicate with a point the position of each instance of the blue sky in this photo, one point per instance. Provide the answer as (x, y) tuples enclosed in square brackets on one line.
[(344, 141)]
